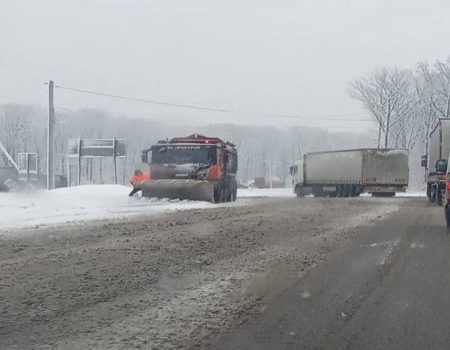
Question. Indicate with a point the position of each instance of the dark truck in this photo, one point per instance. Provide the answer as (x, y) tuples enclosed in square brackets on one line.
[(435, 162)]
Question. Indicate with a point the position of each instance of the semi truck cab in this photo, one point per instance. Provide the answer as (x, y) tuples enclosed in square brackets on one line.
[(296, 171)]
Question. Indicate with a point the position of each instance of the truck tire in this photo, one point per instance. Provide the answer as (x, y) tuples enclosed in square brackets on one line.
[(232, 193), (338, 190), (348, 190), (298, 191), (447, 218), (219, 195), (433, 194)]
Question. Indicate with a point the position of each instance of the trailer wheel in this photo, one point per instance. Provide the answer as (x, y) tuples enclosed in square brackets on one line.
[(338, 191), (353, 191), (348, 190)]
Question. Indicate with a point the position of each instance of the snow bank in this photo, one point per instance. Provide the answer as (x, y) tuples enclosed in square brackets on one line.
[(74, 204), (410, 194), (265, 192), (91, 202)]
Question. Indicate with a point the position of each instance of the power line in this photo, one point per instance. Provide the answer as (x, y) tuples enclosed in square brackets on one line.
[(142, 100), (327, 117)]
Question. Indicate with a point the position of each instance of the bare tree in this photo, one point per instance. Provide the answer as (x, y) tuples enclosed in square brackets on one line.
[(388, 96)]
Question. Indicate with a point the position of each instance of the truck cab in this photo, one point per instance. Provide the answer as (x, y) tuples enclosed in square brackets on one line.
[(436, 182), (194, 167), (435, 161), (296, 171)]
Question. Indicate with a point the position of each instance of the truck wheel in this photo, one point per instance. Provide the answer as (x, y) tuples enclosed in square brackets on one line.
[(347, 191), (298, 191), (338, 191), (447, 218), (439, 197), (234, 195), (433, 194), (352, 190), (219, 195), (231, 196)]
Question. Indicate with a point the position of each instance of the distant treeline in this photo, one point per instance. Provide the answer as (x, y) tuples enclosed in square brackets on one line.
[(263, 150)]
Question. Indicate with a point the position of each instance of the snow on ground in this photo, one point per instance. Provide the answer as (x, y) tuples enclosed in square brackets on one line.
[(411, 194), (92, 202), (265, 192), (74, 204)]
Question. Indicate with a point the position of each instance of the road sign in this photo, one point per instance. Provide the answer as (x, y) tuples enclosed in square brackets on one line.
[(96, 148), (28, 168), (92, 148)]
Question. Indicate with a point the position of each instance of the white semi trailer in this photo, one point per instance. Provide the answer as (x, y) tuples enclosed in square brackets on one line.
[(349, 173)]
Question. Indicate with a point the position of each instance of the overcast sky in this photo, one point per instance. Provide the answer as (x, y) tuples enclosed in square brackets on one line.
[(258, 58)]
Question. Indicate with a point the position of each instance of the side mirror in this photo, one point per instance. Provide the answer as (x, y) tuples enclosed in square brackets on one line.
[(424, 161), (145, 156), (291, 170), (441, 166)]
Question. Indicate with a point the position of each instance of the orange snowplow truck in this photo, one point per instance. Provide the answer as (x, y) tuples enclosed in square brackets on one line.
[(195, 167)]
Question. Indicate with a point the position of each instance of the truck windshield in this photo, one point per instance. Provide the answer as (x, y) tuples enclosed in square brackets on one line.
[(167, 154)]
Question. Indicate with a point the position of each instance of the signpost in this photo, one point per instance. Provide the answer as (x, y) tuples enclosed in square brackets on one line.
[(28, 168), (50, 138), (96, 148)]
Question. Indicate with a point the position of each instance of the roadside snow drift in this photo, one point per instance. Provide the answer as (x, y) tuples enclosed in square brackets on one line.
[(265, 192), (91, 202), (81, 203)]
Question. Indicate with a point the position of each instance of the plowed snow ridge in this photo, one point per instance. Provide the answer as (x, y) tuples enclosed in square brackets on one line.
[(93, 202)]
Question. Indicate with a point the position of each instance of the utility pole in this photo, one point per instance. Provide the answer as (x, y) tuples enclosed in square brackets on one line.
[(50, 138)]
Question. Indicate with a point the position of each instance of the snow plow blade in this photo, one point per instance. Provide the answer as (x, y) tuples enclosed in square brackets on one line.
[(179, 189)]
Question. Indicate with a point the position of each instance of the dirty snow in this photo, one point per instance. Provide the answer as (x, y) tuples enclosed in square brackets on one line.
[(74, 204), (265, 192), (93, 202), (411, 194)]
